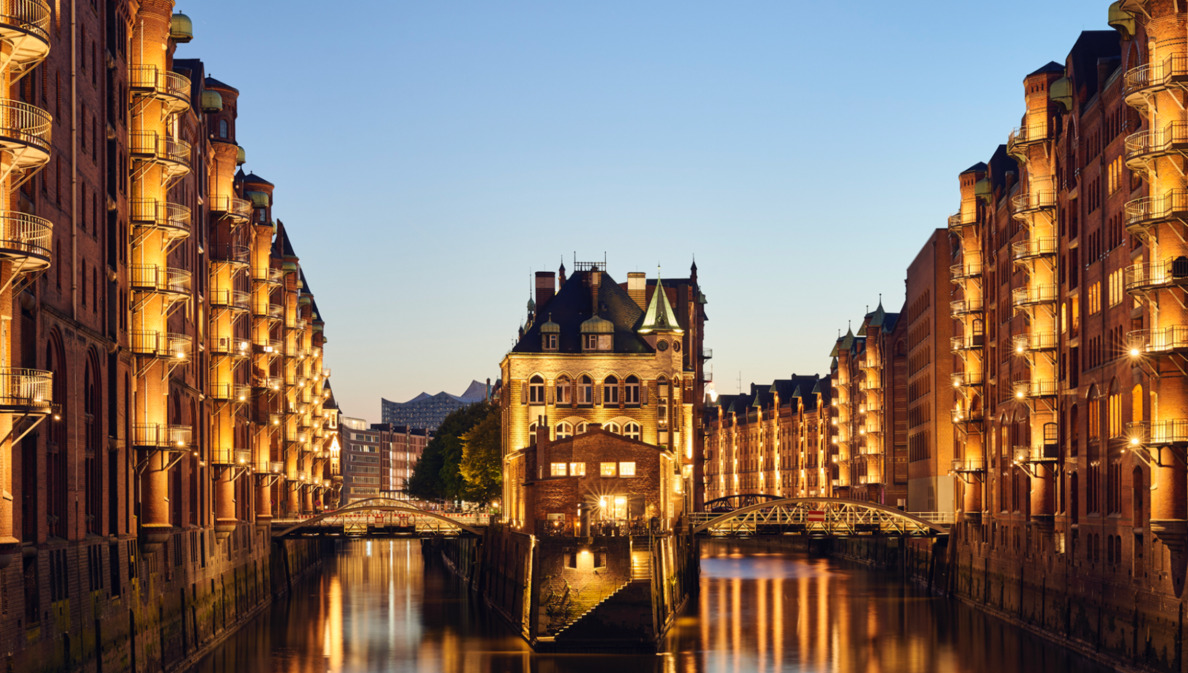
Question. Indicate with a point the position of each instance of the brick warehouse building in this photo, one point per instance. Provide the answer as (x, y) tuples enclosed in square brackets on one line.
[(161, 376)]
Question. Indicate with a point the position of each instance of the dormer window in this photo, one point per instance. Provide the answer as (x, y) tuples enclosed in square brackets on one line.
[(549, 342)]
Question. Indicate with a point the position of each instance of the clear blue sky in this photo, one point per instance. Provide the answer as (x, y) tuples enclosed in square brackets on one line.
[(430, 154)]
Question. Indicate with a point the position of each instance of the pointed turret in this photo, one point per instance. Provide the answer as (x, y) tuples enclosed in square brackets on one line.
[(659, 317)]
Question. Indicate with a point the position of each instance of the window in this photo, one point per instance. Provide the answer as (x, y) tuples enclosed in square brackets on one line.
[(613, 428), (582, 427), (557, 469), (1114, 288), (1094, 299), (564, 429), (585, 390), (632, 431), (1114, 415), (536, 390), (590, 342), (549, 342), (627, 469), (608, 469), (532, 434), (610, 390), (223, 128), (577, 469), (564, 390), (631, 391)]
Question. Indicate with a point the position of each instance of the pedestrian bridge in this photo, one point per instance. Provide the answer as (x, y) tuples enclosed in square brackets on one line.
[(761, 515), (381, 517)]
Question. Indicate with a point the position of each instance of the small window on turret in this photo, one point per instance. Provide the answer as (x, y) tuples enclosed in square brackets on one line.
[(223, 128)]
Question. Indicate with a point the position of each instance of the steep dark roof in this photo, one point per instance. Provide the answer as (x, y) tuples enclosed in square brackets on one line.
[(1092, 48), (572, 306), (1049, 67), (212, 83), (1002, 163), (976, 168), (253, 179)]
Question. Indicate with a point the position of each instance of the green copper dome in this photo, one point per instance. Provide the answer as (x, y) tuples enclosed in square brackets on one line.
[(212, 101), (181, 28), (241, 156), (598, 325)]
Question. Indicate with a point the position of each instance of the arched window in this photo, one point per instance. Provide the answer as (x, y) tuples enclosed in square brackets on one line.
[(536, 390), (564, 429), (610, 391), (582, 427), (631, 391), (631, 431), (532, 433), (564, 390), (585, 390), (223, 129), (613, 428)]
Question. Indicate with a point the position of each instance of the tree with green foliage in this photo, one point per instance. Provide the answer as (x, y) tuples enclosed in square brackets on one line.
[(437, 475), (481, 468)]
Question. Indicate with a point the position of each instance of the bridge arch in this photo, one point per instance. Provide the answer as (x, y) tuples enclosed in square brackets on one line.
[(730, 503), (377, 505), (823, 516)]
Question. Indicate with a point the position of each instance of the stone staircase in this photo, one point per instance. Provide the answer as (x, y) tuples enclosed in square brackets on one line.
[(621, 620), (641, 560), (594, 607)]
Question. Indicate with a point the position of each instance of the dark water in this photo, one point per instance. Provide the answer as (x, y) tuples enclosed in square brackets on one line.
[(378, 607)]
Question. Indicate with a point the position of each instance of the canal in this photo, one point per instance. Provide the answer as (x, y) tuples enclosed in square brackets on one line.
[(379, 607)]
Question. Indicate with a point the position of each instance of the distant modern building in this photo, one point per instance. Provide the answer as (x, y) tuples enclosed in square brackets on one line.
[(378, 458), (427, 411)]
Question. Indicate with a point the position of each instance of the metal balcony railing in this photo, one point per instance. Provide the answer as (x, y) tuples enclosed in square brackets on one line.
[(1145, 145), (1140, 277), (25, 17), (26, 389), (1036, 294), (959, 221), (1025, 136), (1151, 210), (148, 146), (965, 270), (971, 304), (1146, 79), (152, 278), (25, 125), (229, 456), (1037, 197), (1034, 342), (1036, 388), (232, 206), (173, 217), (961, 415), (232, 299), (162, 436), (168, 86), (239, 255), (967, 379), (162, 345), (1033, 248), (26, 237), (1158, 341), (268, 346), (966, 343), (1159, 433), (972, 464)]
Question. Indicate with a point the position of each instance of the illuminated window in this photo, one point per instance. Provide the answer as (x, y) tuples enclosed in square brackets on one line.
[(627, 469), (582, 427), (610, 390), (585, 390), (613, 428), (631, 431), (532, 434), (608, 469), (631, 391), (1093, 299), (557, 469), (564, 429), (577, 469), (536, 390), (564, 390), (1115, 288)]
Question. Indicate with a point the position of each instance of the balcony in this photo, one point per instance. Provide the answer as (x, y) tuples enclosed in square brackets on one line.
[(25, 240), (232, 207), (268, 275), (968, 379), (965, 270), (1034, 295), (962, 416), (25, 134), (172, 219), (967, 343), (1144, 213), (965, 306), (1142, 277), (970, 465), (162, 345), (161, 436), (1148, 79), (26, 390), (268, 347), (1171, 339), (1024, 137), (230, 392), (1025, 343), (232, 300), (226, 456), (160, 279), (1146, 146), (1037, 197), (172, 155), (1036, 388), (172, 89), (960, 221), (1033, 248), (25, 25), (1159, 433), (235, 255)]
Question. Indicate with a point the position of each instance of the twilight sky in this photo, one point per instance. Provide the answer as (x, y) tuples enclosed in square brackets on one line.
[(430, 154)]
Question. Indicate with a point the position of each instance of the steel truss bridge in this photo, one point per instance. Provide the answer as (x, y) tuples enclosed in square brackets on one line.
[(819, 517), (380, 517)]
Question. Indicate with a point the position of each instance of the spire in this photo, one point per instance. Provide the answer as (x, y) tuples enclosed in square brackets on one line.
[(659, 317), (561, 272)]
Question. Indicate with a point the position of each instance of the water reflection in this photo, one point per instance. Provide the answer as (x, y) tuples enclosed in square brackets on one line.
[(379, 607)]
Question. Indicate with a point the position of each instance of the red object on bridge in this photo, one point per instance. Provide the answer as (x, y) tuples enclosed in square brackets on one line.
[(815, 516)]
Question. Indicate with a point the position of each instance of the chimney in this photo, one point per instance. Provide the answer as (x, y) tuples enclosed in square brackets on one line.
[(542, 446), (546, 287), (637, 288)]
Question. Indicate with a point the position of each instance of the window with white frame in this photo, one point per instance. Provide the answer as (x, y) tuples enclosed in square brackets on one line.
[(536, 390), (627, 469), (564, 390), (585, 390), (631, 391), (564, 429), (608, 469), (610, 391), (557, 469), (631, 431)]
